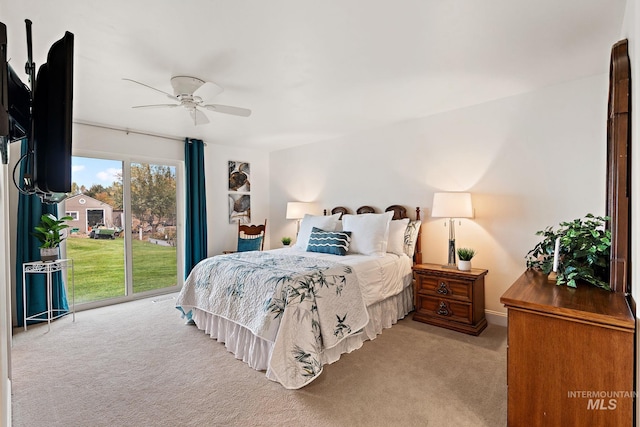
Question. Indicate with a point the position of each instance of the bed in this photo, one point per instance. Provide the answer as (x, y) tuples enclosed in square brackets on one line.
[(291, 311)]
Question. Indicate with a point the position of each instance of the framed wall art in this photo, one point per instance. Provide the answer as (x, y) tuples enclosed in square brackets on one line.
[(239, 192), (239, 208), (239, 176)]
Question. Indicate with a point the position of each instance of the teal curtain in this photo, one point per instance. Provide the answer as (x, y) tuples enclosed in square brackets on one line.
[(30, 209), (196, 205)]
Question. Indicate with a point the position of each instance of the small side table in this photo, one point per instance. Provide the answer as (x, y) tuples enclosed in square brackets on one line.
[(450, 298), (48, 268)]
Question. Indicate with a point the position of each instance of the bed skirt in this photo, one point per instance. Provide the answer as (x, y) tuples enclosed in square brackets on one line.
[(256, 352)]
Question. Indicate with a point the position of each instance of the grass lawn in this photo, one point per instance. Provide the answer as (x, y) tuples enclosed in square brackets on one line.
[(99, 267)]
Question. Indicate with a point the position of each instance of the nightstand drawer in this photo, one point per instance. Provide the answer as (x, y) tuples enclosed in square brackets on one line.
[(445, 309), (444, 287)]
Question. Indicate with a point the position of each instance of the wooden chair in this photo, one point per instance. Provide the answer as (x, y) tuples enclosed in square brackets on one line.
[(251, 237)]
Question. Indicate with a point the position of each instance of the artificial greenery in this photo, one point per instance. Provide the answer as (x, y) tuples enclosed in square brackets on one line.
[(286, 241), (585, 245), (465, 254), (48, 231)]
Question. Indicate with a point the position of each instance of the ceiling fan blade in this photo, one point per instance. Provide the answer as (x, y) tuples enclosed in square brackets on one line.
[(199, 118), (151, 87), (208, 90), (157, 106), (227, 109)]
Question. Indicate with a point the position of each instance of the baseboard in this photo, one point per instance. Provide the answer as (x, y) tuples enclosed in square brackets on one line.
[(6, 416), (496, 318)]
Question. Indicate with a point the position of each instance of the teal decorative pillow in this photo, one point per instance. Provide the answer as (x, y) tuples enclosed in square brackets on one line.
[(329, 242), (245, 245)]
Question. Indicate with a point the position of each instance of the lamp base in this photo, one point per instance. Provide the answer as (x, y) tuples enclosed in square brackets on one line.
[(451, 261)]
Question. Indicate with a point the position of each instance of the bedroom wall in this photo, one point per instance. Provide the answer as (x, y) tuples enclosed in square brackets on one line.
[(5, 300), (222, 235), (530, 161)]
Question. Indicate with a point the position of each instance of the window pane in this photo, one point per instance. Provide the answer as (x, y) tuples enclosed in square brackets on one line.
[(154, 221), (96, 243)]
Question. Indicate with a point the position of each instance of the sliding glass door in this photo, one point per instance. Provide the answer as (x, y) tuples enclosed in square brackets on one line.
[(125, 237), (154, 226)]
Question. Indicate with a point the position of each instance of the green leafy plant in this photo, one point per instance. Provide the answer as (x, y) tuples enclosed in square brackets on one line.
[(48, 231), (286, 241), (585, 245), (465, 254)]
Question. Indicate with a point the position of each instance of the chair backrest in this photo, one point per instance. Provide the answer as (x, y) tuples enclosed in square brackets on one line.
[(251, 237)]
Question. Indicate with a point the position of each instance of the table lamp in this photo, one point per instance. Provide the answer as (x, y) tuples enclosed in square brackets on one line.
[(297, 210), (452, 206)]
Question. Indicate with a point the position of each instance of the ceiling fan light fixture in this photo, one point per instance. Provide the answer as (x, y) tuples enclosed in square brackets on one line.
[(185, 85)]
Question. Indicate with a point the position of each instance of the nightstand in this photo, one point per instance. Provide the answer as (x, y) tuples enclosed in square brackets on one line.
[(450, 298)]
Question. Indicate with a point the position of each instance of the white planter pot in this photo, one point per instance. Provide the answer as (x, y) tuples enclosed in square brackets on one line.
[(48, 254), (464, 265)]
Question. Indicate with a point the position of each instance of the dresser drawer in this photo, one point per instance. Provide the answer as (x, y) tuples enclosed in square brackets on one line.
[(444, 287), (445, 309)]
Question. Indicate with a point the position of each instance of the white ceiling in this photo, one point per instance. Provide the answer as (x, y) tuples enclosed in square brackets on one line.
[(311, 70)]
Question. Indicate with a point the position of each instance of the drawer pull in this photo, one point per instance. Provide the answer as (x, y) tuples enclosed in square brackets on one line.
[(442, 289), (443, 310)]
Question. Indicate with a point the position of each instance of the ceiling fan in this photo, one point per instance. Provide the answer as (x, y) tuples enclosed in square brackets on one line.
[(193, 94)]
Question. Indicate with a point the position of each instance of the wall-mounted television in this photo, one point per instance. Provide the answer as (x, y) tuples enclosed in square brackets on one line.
[(4, 114), (19, 106), (43, 115), (4, 95), (15, 111), (52, 119)]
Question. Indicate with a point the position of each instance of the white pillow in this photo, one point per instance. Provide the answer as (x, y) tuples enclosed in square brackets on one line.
[(326, 223), (395, 243), (369, 232)]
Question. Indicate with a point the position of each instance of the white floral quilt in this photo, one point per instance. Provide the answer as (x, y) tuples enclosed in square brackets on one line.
[(303, 305)]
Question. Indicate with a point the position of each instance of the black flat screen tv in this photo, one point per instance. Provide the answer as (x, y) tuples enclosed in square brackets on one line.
[(4, 95), (19, 106), (15, 112), (52, 119)]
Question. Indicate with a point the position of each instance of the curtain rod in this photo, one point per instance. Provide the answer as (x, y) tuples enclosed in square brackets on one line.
[(128, 131)]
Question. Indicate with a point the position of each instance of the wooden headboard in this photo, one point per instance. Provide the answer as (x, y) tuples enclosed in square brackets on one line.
[(399, 212), (619, 167)]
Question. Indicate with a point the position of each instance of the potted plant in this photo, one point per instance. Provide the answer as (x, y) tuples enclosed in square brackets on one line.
[(582, 254), (464, 256), (286, 241), (48, 233)]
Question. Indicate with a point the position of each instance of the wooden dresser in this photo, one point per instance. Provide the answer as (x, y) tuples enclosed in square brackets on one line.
[(570, 355), (450, 298)]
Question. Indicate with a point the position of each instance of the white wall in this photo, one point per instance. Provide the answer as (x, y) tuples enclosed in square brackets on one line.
[(222, 235), (5, 302), (530, 161)]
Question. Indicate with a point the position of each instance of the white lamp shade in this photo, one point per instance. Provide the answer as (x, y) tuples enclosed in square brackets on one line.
[(452, 205), (297, 210)]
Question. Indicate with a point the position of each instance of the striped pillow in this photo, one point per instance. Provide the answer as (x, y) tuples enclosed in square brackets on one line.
[(329, 242)]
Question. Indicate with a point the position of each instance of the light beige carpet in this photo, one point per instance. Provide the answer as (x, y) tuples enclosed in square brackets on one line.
[(138, 364)]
